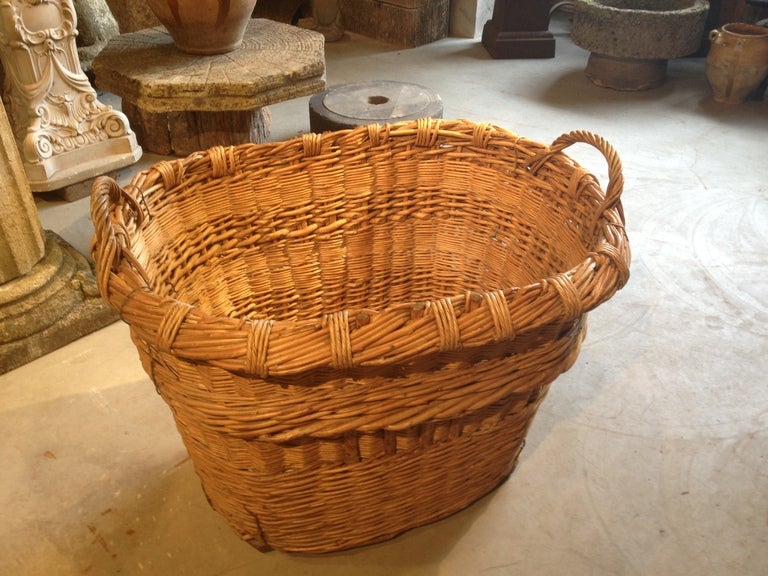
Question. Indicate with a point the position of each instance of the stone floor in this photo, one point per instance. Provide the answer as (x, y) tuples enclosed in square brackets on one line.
[(649, 457)]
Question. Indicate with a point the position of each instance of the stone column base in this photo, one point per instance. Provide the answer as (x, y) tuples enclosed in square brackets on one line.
[(54, 304), (626, 74), (80, 164)]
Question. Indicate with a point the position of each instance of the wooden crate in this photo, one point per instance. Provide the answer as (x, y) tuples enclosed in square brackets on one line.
[(402, 22)]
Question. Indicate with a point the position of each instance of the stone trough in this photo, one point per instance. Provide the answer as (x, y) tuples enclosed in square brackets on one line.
[(631, 40)]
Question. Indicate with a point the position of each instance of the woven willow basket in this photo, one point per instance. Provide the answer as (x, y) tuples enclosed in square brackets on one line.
[(354, 330)]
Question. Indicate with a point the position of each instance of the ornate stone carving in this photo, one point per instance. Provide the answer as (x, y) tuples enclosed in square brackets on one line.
[(64, 133)]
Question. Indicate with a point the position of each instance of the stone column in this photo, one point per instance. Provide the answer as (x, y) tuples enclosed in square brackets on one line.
[(21, 237), (48, 295)]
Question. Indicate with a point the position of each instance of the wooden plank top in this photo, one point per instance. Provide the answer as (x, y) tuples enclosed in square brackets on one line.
[(276, 62)]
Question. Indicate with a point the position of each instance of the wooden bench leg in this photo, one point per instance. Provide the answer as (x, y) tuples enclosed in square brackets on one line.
[(519, 29), (182, 133)]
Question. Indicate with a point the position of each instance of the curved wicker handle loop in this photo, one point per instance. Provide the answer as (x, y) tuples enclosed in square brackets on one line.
[(117, 196), (111, 244), (427, 132), (615, 175), (312, 144)]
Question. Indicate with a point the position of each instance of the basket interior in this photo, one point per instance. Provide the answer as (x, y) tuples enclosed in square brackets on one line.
[(298, 239)]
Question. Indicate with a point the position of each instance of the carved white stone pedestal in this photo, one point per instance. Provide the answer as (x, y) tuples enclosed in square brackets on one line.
[(65, 135)]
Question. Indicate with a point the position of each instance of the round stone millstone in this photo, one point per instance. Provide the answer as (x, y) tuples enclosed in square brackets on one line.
[(377, 102)]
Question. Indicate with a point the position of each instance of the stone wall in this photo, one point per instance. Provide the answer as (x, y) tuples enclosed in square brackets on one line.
[(403, 22), (132, 15)]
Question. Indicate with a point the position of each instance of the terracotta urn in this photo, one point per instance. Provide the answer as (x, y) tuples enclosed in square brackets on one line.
[(737, 61), (204, 26)]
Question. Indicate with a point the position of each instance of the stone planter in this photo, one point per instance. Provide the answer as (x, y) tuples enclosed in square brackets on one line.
[(630, 41), (204, 26)]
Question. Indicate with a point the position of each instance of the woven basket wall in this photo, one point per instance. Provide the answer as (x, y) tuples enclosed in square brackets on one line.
[(354, 330)]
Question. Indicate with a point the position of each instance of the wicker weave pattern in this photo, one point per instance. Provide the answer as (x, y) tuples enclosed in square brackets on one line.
[(341, 322)]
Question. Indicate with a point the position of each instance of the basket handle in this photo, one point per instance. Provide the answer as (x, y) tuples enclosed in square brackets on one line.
[(112, 210), (615, 176)]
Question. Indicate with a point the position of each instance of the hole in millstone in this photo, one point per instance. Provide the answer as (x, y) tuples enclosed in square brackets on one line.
[(377, 99)]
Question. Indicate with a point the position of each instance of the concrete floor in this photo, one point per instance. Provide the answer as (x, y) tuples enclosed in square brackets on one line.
[(649, 457)]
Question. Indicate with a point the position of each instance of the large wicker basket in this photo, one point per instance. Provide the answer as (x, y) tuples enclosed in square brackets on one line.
[(354, 330)]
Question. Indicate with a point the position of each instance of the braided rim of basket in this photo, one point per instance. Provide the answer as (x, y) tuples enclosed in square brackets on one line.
[(357, 338)]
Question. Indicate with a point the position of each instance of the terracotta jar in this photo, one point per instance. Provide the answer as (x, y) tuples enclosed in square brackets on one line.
[(204, 26), (737, 61)]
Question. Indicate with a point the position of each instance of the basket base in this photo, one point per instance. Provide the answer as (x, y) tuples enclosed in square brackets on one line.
[(341, 507)]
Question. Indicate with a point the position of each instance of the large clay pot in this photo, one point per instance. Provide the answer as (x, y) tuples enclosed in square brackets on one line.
[(204, 26), (737, 61)]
